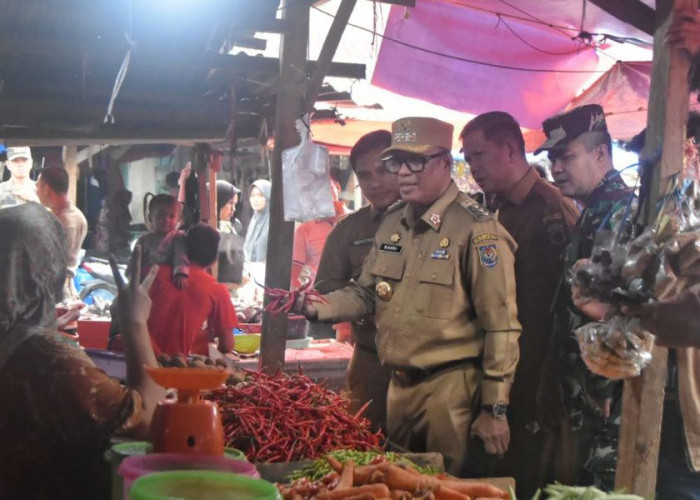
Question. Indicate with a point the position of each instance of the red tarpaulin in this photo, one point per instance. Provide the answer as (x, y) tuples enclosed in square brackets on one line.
[(623, 91), (465, 33), (340, 139)]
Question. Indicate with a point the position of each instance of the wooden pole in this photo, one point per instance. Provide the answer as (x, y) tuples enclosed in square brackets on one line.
[(281, 236), (70, 163), (643, 397), (199, 156), (330, 45)]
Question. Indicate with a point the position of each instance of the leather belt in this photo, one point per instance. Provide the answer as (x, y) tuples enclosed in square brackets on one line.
[(406, 377)]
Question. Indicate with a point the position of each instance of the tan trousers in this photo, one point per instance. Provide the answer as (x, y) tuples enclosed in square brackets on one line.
[(368, 380), (435, 415)]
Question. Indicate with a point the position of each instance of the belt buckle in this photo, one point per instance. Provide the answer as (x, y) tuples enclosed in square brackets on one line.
[(401, 376), (408, 377)]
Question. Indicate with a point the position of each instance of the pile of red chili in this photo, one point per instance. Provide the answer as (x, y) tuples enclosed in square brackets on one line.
[(285, 418)]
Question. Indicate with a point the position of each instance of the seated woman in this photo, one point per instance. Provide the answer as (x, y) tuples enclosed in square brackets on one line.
[(58, 409)]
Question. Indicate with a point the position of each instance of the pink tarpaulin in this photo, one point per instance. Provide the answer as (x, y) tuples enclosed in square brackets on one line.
[(464, 33)]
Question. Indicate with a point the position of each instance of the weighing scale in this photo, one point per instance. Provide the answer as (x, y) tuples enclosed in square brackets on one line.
[(190, 424)]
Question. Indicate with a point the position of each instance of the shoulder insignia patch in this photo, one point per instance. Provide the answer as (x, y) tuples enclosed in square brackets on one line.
[(475, 210), (395, 206)]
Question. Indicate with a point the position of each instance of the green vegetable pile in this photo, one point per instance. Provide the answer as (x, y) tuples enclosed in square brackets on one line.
[(562, 492), (320, 467)]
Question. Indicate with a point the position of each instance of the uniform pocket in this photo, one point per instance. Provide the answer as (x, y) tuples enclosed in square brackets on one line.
[(436, 285), (389, 267)]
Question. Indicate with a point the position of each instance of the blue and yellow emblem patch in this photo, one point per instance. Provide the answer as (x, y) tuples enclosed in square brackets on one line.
[(488, 255)]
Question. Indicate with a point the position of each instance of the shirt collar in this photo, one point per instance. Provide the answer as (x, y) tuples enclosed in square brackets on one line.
[(434, 215), (522, 188)]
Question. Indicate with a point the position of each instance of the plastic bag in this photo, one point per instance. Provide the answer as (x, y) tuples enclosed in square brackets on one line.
[(598, 276), (618, 348), (307, 182)]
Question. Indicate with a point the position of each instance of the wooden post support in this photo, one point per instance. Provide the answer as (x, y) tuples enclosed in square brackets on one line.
[(199, 156), (642, 401), (330, 45), (70, 163), (281, 236)]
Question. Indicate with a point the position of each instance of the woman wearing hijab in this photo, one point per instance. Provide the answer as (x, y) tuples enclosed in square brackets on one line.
[(231, 254), (256, 238), (58, 409)]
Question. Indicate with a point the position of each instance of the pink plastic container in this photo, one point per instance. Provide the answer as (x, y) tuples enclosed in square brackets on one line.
[(140, 465)]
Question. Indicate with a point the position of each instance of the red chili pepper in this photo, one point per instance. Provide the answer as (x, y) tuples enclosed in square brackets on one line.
[(280, 417)]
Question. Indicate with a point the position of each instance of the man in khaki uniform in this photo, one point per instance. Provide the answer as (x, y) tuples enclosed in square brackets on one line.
[(440, 281), (344, 253)]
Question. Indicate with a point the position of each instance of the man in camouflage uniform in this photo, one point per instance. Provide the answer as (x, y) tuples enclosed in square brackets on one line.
[(20, 188), (579, 148), (439, 279)]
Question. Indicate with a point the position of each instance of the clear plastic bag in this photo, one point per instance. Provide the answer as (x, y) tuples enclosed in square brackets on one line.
[(618, 348), (307, 181)]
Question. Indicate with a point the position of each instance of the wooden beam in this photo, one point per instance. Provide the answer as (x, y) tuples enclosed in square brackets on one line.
[(330, 45), (632, 12), (70, 163), (405, 3), (88, 152), (34, 112), (643, 396), (113, 136), (281, 236)]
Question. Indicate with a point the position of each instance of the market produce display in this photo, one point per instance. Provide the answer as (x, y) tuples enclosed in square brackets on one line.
[(285, 418), (192, 361), (562, 492), (382, 478)]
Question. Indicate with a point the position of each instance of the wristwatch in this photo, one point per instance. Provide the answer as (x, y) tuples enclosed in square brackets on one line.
[(497, 410)]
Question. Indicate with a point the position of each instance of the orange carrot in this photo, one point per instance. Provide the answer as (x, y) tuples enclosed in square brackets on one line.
[(377, 490), (401, 495), (346, 476), (334, 463), (400, 479), (442, 492), (363, 473), (362, 496), (475, 488)]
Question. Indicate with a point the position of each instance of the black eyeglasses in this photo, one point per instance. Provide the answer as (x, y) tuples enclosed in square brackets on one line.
[(415, 163)]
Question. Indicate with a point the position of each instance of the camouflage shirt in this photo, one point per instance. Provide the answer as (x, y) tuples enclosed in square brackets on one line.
[(605, 210)]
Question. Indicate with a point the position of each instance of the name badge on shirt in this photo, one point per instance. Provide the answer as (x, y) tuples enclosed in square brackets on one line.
[(386, 247), (363, 241), (440, 254)]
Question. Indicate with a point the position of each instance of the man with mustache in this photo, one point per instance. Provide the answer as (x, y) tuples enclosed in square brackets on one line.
[(580, 149)]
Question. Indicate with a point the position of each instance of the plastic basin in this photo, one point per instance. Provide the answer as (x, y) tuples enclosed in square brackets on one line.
[(246, 343), (136, 466), (202, 485)]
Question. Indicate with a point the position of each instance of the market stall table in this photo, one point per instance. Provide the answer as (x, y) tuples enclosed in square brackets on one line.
[(323, 361)]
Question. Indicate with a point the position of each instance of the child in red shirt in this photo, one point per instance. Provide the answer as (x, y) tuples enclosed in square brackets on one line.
[(178, 316)]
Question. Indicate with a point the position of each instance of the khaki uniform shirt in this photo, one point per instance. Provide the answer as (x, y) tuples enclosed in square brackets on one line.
[(541, 220), (453, 291), (345, 250)]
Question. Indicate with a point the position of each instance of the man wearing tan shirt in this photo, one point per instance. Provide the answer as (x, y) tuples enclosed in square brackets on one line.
[(439, 279), (344, 252), (52, 189)]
